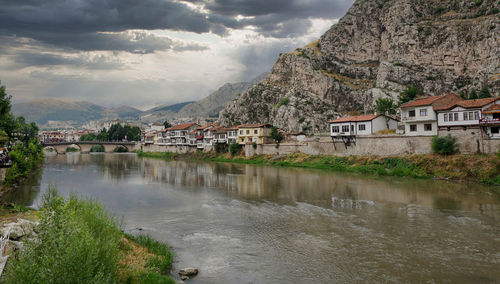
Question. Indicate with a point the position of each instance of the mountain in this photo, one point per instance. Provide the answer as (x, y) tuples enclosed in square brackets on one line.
[(52, 112), (208, 107), (378, 49), (211, 105)]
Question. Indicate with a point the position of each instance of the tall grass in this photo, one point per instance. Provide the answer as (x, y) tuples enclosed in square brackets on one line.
[(79, 242)]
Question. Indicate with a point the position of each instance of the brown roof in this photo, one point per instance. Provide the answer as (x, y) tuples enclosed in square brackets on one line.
[(182, 126), (256, 125), (220, 130), (366, 117), (467, 104), (495, 108), (421, 102), (204, 126)]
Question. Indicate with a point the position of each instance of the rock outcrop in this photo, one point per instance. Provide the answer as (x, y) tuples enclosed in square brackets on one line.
[(378, 49)]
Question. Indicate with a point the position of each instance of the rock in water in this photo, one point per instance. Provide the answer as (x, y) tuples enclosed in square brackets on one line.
[(188, 271), (378, 49)]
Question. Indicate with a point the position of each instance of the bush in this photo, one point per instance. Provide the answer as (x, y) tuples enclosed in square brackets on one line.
[(282, 102), (78, 243), (220, 148), (235, 148), (97, 149), (72, 149), (445, 145), (24, 159)]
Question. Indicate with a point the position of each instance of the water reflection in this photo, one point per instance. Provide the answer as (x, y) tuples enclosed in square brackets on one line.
[(252, 224)]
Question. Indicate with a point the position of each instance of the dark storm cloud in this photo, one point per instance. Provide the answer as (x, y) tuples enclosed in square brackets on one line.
[(80, 24), (98, 62)]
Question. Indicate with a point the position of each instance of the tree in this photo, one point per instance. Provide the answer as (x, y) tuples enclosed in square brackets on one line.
[(167, 124), (473, 95), (276, 135), (408, 95), (485, 92), (387, 107), (7, 120), (464, 95), (445, 145)]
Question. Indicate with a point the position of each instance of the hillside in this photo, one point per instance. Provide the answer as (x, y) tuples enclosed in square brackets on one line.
[(52, 112), (377, 49), (211, 105)]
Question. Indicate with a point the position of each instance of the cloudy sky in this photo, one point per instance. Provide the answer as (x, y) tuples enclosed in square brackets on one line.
[(143, 53)]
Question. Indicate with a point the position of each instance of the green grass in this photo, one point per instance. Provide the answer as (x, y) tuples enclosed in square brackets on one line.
[(79, 242), (157, 155)]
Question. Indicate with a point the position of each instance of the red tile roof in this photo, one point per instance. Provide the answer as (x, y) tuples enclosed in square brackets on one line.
[(495, 108), (205, 126), (256, 125), (421, 102), (365, 117), (182, 126), (467, 104)]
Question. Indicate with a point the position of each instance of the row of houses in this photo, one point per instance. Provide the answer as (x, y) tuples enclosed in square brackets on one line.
[(426, 117), (202, 137), (62, 136)]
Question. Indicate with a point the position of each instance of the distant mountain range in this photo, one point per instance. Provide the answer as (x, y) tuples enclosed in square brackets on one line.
[(62, 113)]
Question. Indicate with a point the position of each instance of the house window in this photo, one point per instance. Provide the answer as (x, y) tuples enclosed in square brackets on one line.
[(345, 128), (445, 115), (248, 132), (455, 116), (476, 115), (411, 113), (241, 132), (335, 129), (428, 127), (495, 130), (362, 127), (413, 127), (423, 112), (471, 115), (352, 128), (466, 117), (255, 131), (450, 116)]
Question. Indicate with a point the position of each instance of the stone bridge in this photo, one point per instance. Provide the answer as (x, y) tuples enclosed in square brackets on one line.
[(85, 146)]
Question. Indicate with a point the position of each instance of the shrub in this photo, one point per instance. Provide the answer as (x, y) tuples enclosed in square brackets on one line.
[(72, 149), (276, 135), (409, 94), (78, 243), (234, 148), (445, 145), (97, 149), (282, 102), (220, 148)]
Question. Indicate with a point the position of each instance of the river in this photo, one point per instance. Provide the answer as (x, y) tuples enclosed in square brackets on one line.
[(254, 224)]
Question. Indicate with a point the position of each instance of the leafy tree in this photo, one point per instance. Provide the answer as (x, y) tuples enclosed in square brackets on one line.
[(409, 94), (167, 124), (473, 95), (4, 138), (445, 145), (385, 106), (276, 135), (7, 120), (234, 148), (464, 95), (485, 92), (88, 137), (103, 135)]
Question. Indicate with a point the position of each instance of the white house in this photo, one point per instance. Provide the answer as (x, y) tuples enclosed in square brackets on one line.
[(352, 126), (419, 117), (462, 114), (490, 120)]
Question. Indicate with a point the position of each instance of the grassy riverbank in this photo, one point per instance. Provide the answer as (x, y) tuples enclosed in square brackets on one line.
[(79, 242), (474, 168)]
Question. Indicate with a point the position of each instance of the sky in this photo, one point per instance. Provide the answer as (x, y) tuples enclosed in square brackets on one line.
[(149, 52)]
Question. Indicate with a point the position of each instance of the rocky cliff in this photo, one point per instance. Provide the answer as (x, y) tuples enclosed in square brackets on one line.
[(378, 49)]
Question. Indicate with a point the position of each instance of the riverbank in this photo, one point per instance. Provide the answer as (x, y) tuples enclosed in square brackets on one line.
[(470, 168), (77, 241)]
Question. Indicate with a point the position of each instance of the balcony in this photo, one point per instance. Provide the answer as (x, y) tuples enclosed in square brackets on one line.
[(489, 121)]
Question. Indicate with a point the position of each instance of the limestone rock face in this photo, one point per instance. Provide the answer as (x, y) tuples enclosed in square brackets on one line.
[(378, 49)]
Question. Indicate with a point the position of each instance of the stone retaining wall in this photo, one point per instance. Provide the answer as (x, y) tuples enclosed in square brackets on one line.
[(469, 142)]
